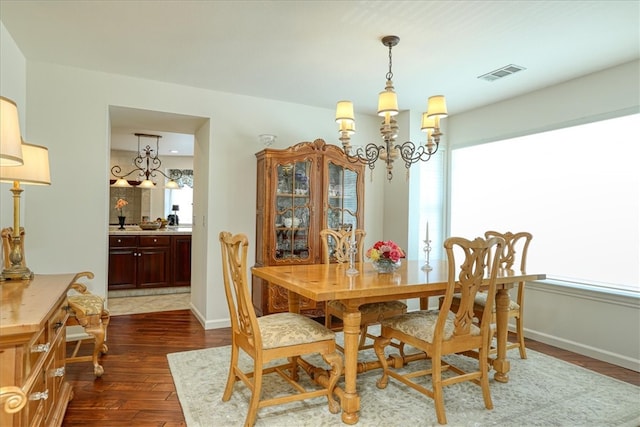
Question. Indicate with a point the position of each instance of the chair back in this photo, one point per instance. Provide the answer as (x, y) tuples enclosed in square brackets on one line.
[(515, 249), (244, 324), (335, 245), (472, 264)]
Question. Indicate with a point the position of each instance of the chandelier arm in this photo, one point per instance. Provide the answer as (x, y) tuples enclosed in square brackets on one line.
[(411, 154), (368, 156), (117, 170)]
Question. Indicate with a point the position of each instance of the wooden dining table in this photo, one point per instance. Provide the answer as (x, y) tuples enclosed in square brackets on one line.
[(327, 282)]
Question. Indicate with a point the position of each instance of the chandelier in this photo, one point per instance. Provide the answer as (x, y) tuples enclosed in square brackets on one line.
[(147, 164), (389, 151)]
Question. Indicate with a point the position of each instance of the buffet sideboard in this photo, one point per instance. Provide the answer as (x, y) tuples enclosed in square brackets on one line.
[(33, 314)]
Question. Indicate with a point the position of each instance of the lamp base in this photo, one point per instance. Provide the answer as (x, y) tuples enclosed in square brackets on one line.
[(17, 273)]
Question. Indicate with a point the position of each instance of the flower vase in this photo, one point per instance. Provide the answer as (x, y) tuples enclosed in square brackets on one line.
[(121, 222), (385, 266)]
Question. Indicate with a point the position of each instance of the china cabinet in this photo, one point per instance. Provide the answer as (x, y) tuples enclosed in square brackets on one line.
[(300, 191)]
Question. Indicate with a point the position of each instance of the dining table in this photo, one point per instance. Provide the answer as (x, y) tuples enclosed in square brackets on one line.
[(327, 282)]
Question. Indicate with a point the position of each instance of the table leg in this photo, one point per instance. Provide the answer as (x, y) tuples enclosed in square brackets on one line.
[(501, 364), (351, 400), (294, 302)]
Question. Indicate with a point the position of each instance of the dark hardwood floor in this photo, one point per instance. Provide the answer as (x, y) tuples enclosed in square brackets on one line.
[(137, 389)]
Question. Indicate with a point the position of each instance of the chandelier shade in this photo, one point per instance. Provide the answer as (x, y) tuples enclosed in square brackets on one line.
[(389, 151), (147, 165)]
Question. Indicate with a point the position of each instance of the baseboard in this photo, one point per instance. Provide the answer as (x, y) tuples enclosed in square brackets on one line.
[(596, 353), (209, 324)]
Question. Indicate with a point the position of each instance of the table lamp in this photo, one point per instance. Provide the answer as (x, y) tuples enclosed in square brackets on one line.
[(35, 170), (175, 209)]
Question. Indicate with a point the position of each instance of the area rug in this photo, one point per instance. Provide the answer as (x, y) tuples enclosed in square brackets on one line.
[(542, 391)]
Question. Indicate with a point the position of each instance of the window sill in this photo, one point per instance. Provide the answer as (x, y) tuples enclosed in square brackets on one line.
[(582, 290)]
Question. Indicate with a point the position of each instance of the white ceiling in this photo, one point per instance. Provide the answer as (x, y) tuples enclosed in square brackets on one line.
[(319, 52)]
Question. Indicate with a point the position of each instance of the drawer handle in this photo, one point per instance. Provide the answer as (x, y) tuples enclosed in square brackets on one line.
[(41, 348), (59, 372), (39, 395), (119, 240), (57, 326)]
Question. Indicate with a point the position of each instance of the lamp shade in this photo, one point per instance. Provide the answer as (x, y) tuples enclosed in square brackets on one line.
[(344, 111), (121, 182), (172, 185), (35, 169), (387, 103), (437, 106), (147, 183), (10, 139)]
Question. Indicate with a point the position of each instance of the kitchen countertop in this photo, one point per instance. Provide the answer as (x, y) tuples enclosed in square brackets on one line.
[(135, 230)]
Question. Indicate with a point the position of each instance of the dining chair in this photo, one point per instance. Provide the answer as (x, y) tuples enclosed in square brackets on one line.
[(285, 336), (335, 245), (445, 331), (514, 253), (88, 311)]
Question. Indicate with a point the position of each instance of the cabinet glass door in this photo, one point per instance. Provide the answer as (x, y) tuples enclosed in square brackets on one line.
[(342, 198), (292, 215)]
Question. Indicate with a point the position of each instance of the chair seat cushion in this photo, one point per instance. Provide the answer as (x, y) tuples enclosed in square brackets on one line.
[(374, 307), (86, 304), (421, 324), (285, 329), (481, 300)]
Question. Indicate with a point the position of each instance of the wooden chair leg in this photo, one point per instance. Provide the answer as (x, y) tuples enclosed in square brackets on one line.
[(99, 333), (438, 396), (231, 379), (255, 395), (520, 332)]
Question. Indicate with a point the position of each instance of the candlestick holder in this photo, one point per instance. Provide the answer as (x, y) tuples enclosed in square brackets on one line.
[(352, 271), (426, 249)]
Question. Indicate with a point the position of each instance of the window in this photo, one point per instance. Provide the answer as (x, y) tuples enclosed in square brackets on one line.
[(431, 190), (182, 197), (576, 190)]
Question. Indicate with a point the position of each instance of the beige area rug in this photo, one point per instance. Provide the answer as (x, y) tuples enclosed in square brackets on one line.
[(148, 303), (542, 391)]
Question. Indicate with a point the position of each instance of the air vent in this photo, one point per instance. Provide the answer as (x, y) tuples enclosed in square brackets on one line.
[(505, 71)]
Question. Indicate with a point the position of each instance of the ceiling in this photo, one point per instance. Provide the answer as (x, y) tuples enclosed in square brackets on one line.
[(319, 52)]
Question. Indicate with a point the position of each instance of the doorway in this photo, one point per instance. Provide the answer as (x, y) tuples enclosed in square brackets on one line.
[(175, 150)]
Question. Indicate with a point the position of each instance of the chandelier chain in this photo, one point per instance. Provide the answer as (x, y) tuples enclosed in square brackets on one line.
[(390, 73)]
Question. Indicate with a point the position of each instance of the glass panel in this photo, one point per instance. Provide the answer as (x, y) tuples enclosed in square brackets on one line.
[(292, 215), (343, 198)]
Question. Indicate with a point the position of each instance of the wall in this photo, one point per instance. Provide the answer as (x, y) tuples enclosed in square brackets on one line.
[(599, 325)]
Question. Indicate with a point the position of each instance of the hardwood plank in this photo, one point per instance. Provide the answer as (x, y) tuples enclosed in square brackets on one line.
[(137, 389)]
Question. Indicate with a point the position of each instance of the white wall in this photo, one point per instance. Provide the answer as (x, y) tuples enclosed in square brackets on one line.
[(606, 327)]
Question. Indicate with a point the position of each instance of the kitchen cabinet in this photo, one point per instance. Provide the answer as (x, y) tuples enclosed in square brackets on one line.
[(33, 315), (300, 191), (181, 260), (149, 261)]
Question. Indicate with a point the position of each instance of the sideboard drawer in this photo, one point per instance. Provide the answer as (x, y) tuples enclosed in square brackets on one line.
[(155, 240), (123, 241)]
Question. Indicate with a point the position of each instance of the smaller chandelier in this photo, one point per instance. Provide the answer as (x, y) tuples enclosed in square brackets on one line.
[(147, 164), (389, 151)]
